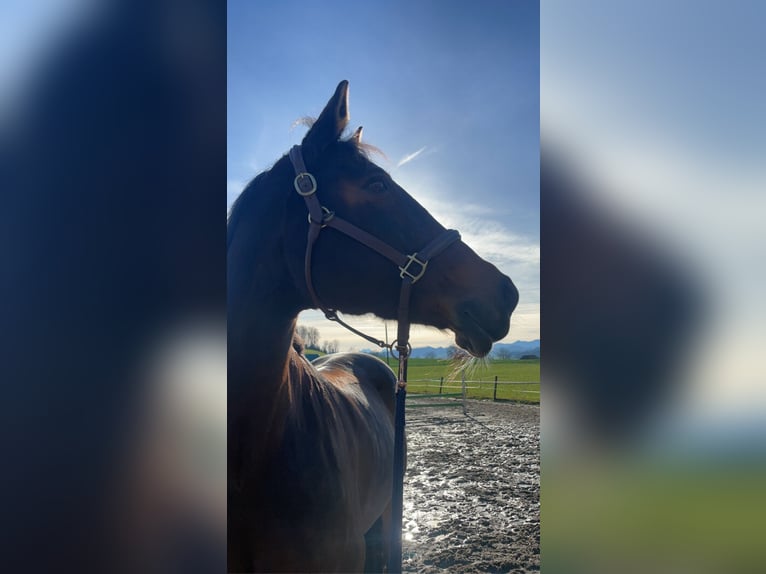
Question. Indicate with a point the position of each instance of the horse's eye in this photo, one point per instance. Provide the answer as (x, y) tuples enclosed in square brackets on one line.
[(377, 186)]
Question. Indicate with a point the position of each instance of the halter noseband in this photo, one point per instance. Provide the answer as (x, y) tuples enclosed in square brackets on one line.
[(411, 267)]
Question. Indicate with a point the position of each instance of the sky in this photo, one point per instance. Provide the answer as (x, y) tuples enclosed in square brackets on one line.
[(448, 91)]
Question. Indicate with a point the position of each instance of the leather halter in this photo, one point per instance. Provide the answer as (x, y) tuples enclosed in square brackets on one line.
[(411, 267)]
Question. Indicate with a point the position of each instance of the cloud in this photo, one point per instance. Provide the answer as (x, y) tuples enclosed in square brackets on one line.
[(489, 237), (408, 158), (525, 325)]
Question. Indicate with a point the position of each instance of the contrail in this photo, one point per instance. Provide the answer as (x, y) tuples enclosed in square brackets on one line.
[(410, 157)]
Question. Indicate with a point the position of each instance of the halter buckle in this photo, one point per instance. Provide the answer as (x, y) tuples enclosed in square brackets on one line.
[(305, 184), (406, 269)]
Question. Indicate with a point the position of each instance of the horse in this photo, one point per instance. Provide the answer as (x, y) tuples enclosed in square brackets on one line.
[(310, 446)]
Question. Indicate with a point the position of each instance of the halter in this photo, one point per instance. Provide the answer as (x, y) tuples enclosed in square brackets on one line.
[(411, 270)]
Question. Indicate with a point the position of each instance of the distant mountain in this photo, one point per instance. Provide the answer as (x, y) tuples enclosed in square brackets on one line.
[(515, 350), (429, 353), (518, 348)]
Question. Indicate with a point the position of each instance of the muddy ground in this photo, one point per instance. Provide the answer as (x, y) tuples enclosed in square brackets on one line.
[(472, 488)]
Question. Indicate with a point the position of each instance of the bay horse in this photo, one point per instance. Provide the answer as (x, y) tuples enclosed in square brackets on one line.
[(310, 446)]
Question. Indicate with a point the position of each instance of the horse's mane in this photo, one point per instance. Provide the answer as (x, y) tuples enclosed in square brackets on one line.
[(253, 191), (298, 343), (319, 407)]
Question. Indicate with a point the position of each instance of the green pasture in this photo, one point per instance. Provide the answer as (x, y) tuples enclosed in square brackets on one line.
[(424, 375)]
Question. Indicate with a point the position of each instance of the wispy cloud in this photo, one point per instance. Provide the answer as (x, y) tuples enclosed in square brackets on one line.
[(490, 237), (409, 157)]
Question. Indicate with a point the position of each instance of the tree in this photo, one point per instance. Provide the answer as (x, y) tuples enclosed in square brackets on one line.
[(503, 354), (310, 336), (313, 337), (300, 330), (331, 346)]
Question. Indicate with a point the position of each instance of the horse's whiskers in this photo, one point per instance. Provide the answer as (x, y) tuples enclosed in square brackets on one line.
[(462, 362)]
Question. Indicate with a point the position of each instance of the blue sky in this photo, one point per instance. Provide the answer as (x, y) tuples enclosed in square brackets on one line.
[(449, 91)]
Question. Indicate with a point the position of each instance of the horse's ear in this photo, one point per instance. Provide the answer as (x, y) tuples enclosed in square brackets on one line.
[(331, 122), (357, 137)]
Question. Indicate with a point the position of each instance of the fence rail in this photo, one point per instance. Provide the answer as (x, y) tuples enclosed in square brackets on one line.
[(524, 391)]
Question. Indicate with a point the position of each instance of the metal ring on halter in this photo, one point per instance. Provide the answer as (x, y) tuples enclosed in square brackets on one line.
[(328, 215), (331, 315), (300, 177), (394, 353)]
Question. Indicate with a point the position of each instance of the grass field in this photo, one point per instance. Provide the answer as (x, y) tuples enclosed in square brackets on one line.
[(424, 376)]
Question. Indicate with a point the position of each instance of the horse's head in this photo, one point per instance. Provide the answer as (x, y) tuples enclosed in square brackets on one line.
[(459, 291)]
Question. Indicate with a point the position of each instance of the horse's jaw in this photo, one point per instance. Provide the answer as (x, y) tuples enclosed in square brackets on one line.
[(475, 340), (477, 324)]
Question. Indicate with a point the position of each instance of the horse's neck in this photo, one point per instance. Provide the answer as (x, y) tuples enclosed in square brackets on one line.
[(260, 325), (260, 355), (262, 303), (259, 350)]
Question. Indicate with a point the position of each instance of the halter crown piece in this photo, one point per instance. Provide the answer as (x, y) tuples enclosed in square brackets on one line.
[(411, 270)]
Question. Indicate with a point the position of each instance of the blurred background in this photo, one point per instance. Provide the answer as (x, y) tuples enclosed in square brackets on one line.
[(652, 192), (112, 181)]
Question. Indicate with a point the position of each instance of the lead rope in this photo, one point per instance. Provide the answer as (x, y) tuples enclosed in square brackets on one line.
[(320, 217), (397, 488)]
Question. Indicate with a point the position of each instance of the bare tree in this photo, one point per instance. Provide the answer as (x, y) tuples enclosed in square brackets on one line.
[(310, 336), (313, 337), (332, 346)]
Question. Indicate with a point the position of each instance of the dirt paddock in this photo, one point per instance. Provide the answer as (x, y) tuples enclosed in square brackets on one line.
[(472, 488)]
